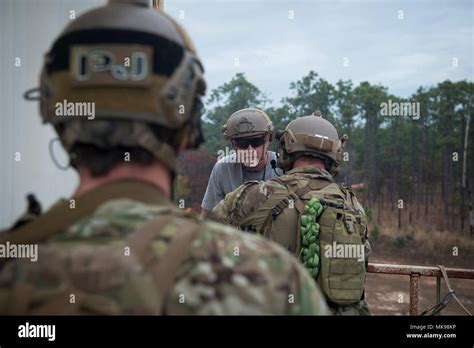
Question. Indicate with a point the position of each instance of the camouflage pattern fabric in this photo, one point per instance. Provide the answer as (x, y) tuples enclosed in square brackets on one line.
[(86, 270), (252, 195), (247, 203)]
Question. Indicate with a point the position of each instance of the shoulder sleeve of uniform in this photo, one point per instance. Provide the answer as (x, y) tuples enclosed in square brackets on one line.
[(233, 273), (222, 211), (245, 200)]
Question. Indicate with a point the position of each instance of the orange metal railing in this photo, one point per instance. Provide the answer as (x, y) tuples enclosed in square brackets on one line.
[(415, 272)]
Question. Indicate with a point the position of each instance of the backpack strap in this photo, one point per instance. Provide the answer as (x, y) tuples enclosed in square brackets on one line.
[(278, 202), (164, 271), (295, 196), (284, 203), (61, 216)]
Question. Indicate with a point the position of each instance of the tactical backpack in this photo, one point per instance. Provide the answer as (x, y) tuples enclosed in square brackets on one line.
[(308, 220)]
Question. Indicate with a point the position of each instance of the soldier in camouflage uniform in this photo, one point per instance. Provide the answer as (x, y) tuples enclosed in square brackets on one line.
[(119, 246), (319, 221)]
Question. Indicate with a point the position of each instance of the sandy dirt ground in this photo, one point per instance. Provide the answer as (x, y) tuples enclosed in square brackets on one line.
[(390, 294)]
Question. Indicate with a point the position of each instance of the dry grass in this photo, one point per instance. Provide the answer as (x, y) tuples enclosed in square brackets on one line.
[(425, 239), (431, 240)]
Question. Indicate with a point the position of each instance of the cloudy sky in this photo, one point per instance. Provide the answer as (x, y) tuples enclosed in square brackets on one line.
[(400, 44)]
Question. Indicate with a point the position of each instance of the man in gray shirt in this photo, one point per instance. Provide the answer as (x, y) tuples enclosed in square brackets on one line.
[(250, 132)]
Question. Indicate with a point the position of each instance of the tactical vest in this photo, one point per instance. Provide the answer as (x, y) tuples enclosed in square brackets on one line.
[(342, 221)]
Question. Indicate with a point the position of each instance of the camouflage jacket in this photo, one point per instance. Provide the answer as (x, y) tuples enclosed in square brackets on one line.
[(251, 207), (96, 265)]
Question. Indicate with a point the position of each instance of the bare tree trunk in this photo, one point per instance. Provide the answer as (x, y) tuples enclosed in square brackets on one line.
[(464, 165), (445, 188), (400, 173)]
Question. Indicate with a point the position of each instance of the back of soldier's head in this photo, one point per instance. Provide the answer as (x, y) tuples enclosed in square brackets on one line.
[(310, 137), (123, 83)]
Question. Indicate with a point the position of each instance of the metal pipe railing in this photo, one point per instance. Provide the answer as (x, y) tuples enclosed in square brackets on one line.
[(415, 272)]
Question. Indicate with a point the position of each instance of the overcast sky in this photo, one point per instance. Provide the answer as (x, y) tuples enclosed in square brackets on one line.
[(400, 44), (272, 49)]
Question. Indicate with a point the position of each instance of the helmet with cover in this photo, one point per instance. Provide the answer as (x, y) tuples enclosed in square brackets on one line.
[(310, 136), (137, 69), (246, 123)]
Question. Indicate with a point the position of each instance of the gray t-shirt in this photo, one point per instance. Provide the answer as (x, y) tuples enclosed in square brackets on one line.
[(226, 176)]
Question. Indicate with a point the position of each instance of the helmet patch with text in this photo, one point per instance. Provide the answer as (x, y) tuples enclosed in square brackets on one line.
[(111, 64)]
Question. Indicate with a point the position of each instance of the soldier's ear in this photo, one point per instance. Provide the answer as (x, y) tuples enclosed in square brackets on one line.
[(333, 169)]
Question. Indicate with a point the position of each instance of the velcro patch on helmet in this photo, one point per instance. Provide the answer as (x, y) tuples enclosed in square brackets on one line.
[(111, 65), (319, 142), (244, 126)]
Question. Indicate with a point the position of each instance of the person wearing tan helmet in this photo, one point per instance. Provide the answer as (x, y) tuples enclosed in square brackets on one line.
[(320, 222), (249, 132), (119, 245)]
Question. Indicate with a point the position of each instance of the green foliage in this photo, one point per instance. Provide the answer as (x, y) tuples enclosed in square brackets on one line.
[(345, 100), (402, 241), (311, 93), (375, 232), (398, 154), (368, 212)]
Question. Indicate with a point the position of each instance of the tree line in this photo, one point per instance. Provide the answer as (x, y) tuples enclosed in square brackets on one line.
[(411, 161)]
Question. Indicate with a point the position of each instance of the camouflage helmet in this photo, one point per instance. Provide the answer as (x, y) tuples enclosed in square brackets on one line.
[(246, 123), (139, 70), (313, 136)]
